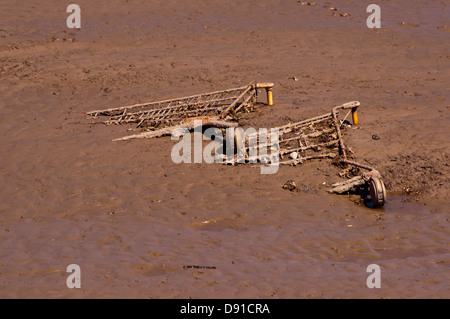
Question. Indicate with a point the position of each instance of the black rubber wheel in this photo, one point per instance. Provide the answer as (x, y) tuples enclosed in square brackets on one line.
[(377, 192)]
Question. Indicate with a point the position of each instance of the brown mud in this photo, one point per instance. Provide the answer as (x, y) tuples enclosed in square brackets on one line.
[(132, 219)]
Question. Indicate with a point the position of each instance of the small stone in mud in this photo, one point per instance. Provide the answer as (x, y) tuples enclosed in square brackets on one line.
[(330, 8), (375, 137), (305, 3), (107, 90), (405, 24), (290, 185)]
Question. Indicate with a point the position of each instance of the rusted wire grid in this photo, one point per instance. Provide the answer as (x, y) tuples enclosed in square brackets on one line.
[(151, 115), (305, 137), (320, 134), (327, 120)]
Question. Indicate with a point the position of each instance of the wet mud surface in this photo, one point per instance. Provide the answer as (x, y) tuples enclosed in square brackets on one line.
[(132, 219)]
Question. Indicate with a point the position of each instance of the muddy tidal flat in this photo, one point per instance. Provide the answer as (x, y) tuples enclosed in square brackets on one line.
[(132, 219)]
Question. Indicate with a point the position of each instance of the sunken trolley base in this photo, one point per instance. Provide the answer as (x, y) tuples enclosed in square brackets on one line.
[(314, 138), (371, 180)]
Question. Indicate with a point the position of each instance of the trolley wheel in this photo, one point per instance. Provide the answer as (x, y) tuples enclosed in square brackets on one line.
[(377, 192)]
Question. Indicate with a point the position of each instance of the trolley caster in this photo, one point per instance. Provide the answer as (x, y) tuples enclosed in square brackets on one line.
[(377, 191)]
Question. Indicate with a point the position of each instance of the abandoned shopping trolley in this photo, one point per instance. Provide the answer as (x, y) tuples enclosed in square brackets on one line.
[(318, 137)]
